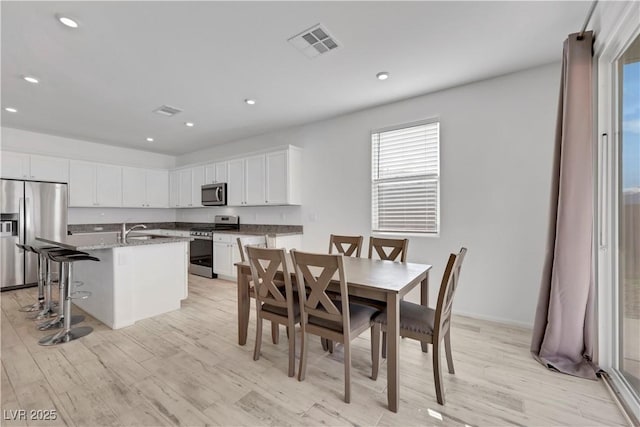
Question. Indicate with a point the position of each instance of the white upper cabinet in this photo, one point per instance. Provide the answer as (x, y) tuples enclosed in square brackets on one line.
[(277, 178), (157, 188), (134, 188), (34, 167), (15, 165), (93, 184), (108, 185), (235, 183), (197, 177), (254, 180), (44, 168), (266, 179), (145, 188), (174, 189), (215, 172), (185, 188)]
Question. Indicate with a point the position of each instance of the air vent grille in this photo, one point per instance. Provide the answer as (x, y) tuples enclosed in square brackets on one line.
[(314, 41), (166, 110)]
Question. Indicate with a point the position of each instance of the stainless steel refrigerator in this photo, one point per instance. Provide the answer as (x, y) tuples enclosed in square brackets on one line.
[(28, 209)]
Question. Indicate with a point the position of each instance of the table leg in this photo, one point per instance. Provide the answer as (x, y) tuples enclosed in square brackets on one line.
[(393, 350), (243, 306), (424, 300)]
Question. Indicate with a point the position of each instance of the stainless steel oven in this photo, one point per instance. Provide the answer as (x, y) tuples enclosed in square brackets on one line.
[(201, 253), (201, 247)]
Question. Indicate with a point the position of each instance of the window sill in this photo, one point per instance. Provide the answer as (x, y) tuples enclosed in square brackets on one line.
[(398, 234)]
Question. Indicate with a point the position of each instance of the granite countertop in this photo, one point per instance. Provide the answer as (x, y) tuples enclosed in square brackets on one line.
[(93, 241), (271, 230)]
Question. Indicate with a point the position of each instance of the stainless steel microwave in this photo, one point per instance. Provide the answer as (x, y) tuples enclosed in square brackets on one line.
[(214, 194)]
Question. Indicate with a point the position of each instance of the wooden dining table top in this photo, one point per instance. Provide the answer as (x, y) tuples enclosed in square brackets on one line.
[(387, 276)]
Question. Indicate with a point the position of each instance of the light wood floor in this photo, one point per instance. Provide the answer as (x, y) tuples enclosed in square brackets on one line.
[(186, 368)]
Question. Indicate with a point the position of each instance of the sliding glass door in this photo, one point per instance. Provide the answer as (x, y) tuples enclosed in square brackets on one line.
[(629, 215)]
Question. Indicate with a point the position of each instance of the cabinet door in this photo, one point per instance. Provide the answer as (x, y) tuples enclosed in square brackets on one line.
[(15, 165), (185, 188), (157, 189), (235, 184), (82, 184), (235, 258), (174, 189), (277, 176), (134, 193), (255, 186), (109, 185), (49, 169), (221, 172), (197, 177), (222, 258), (210, 173)]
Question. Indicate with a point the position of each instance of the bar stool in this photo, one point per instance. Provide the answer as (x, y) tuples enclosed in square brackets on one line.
[(39, 305), (66, 279), (49, 311), (44, 267)]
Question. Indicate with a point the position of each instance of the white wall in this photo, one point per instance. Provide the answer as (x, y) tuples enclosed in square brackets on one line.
[(38, 143), (496, 153)]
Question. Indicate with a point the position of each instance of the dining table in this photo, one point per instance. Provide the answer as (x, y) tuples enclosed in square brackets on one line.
[(383, 282)]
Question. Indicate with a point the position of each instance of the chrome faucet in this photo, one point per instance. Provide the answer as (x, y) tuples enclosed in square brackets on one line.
[(124, 233)]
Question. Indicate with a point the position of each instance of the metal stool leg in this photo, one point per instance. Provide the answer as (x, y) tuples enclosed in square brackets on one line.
[(66, 334), (38, 306), (58, 322), (47, 310)]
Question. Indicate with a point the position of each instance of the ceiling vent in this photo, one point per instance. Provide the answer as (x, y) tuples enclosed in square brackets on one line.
[(315, 41), (166, 110)]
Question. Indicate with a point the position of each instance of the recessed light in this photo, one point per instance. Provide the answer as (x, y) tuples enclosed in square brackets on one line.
[(31, 79), (149, 139), (11, 110), (65, 20), (189, 124), (250, 101), (383, 75)]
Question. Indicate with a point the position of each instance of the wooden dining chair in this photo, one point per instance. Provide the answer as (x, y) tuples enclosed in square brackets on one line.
[(346, 245), (389, 249), (338, 321), (271, 303), (262, 242), (427, 325)]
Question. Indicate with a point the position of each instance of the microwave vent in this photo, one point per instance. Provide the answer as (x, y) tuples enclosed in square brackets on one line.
[(314, 41)]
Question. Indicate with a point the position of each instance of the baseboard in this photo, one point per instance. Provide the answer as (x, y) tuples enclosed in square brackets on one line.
[(503, 321)]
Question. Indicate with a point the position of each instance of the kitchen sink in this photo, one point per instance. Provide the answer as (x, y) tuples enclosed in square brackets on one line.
[(145, 237)]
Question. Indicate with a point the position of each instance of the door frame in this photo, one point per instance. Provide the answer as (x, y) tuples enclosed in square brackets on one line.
[(606, 227)]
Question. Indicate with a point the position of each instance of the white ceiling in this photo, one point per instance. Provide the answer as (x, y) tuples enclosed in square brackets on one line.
[(101, 81)]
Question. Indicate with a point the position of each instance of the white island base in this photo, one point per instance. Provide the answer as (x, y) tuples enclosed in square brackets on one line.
[(132, 283)]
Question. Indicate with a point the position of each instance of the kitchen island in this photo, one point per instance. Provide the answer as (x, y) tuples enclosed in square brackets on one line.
[(141, 277)]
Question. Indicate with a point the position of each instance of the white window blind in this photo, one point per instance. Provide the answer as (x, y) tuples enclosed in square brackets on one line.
[(406, 179)]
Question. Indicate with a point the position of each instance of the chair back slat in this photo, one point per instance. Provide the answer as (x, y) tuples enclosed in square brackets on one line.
[(258, 241), (389, 249), (265, 264), (315, 272), (447, 290), (346, 245)]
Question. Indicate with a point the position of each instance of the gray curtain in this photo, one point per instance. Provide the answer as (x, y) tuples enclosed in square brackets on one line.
[(564, 330)]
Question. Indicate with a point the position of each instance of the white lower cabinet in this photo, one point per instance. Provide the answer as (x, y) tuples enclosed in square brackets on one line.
[(225, 255)]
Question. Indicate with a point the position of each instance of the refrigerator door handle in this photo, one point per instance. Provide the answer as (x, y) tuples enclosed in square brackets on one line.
[(21, 222)]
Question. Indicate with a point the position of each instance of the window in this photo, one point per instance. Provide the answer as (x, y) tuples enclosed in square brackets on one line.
[(405, 179)]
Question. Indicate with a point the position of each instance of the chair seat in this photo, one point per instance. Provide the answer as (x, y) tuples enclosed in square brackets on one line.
[(413, 317), (282, 311), (360, 315)]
